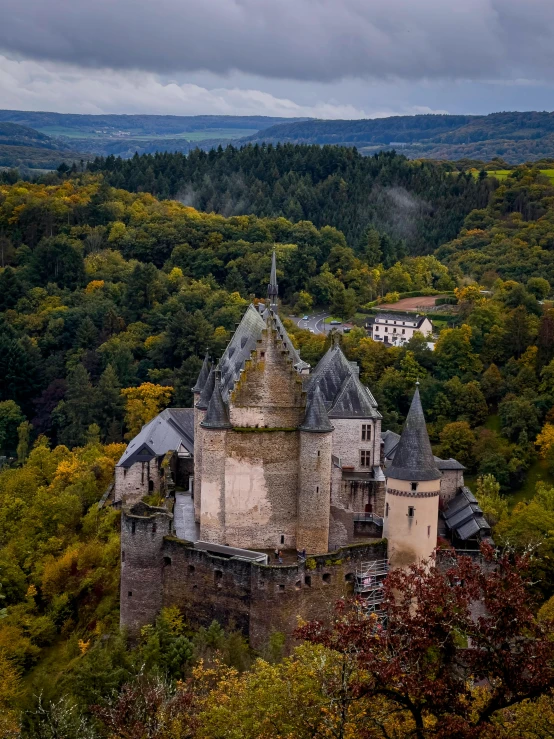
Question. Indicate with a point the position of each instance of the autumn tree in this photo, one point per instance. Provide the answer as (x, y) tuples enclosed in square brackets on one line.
[(434, 651), (142, 404)]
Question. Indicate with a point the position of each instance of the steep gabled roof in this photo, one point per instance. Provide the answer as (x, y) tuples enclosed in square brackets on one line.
[(297, 362), (413, 458), (170, 430), (238, 350), (344, 394), (353, 401), (316, 419), (203, 375)]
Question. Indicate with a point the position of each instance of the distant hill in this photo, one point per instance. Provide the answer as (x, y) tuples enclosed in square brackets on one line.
[(515, 137), (123, 135), (25, 148)]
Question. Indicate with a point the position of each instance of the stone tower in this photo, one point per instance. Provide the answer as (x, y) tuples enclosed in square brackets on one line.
[(214, 430), (273, 287), (314, 477), (206, 386), (199, 414), (412, 495)]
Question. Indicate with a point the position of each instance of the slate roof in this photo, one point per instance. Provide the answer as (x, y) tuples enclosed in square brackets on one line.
[(167, 432), (238, 350), (217, 415), (464, 517), (203, 375), (207, 390), (406, 317), (343, 393), (316, 419), (413, 457)]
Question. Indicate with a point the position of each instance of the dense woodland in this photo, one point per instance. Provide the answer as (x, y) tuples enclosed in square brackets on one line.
[(108, 301), (417, 204)]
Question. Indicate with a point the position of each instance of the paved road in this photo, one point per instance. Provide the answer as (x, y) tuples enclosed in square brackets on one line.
[(316, 323), (185, 527)]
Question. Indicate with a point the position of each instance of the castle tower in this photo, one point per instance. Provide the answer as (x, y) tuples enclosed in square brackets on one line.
[(199, 414), (143, 528), (273, 287), (412, 495), (214, 432), (314, 477)]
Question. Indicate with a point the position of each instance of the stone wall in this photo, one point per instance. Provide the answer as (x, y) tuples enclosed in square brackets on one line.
[(451, 482), (261, 489), (314, 492), (257, 599), (142, 564), (132, 483)]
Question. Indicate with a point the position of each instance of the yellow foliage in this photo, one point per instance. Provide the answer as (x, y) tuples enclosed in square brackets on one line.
[(468, 294), (94, 285), (83, 646), (143, 403), (545, 440)]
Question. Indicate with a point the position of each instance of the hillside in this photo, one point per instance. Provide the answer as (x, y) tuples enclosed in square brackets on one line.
[(123, 135), (25, 148), (515, 137)]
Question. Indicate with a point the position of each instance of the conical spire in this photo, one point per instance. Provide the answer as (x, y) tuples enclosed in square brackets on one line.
[(413, 459), (203, 376), (273, 287), (207, 391), (217, 415), (316, 418)]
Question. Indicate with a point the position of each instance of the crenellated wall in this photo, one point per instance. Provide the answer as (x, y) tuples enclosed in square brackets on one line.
[(161, 570)]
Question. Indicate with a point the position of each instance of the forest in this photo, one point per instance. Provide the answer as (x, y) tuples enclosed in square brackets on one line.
[(417, 203), (109, 298)]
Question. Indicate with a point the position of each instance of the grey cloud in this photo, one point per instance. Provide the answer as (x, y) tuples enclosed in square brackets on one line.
[(321, 40)]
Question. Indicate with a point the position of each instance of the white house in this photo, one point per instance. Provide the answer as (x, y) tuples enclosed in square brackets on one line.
[(397, 328)]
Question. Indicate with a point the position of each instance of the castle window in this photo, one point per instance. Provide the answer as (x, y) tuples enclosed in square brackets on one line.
[(150, 486), (191, 569), (428, 531), (366, 432), (262, 355), (130, 593), (317, 489), (282, 538), (403, 330), (411, 511), (281, 587), (123, 556), (154, 527), (386, 329), (298, 584), (386, 509), (326, 578), (308, 581), (133, 527), (167, 561), (318, 454), (365, 458), (218, 575), (414, 486), (125, 472), (349, 577)]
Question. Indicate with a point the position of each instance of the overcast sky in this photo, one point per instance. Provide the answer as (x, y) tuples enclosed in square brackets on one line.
[(322, 58)]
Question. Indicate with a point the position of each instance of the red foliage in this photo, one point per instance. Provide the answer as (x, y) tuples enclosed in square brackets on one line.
[(447, 631)]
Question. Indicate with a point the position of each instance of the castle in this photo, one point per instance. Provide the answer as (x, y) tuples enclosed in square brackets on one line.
[(277, 456)]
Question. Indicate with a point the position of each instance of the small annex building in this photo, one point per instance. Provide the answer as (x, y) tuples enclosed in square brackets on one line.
[(397, 328)]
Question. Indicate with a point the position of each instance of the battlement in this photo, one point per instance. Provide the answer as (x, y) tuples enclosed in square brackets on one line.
[(235, 587)]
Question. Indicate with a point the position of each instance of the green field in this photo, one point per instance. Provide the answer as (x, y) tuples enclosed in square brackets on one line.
[(200, 135), (502, 174)]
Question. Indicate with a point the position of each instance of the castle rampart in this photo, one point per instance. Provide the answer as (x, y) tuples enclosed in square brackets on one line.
[(161, 570)]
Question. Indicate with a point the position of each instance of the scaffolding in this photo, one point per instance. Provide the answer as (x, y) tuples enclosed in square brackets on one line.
[(369, 584)]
